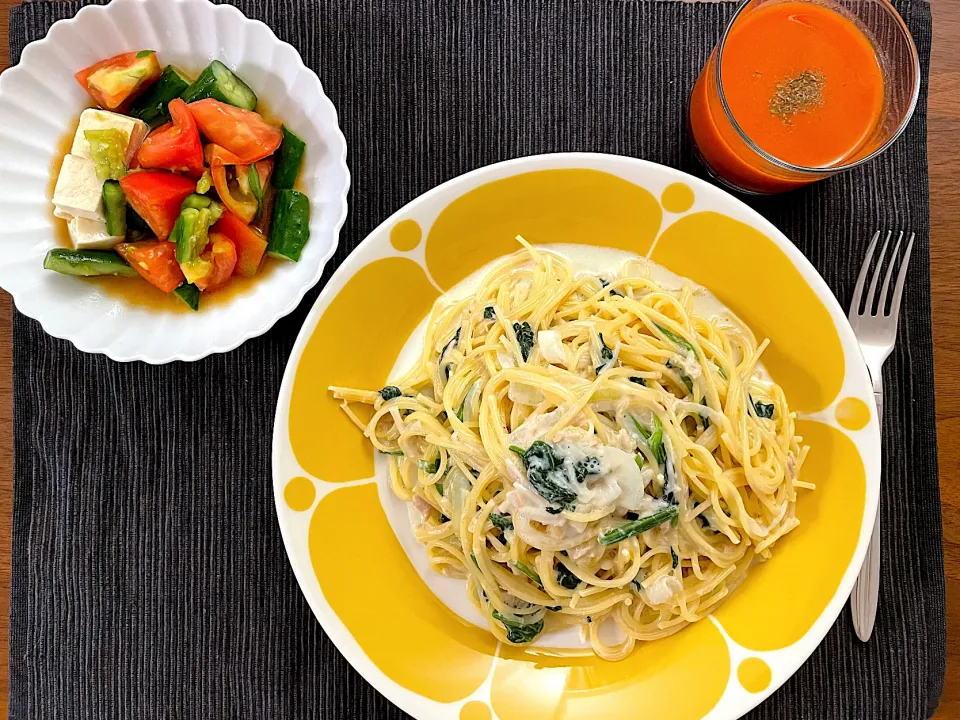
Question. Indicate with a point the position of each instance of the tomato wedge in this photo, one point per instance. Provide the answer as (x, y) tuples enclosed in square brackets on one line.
[(117, 80), (174, 146), (214, 154), (156, 261), (241, 187), (249, 242), (222, 253), (238, 198), (243, 132), (156, 197)]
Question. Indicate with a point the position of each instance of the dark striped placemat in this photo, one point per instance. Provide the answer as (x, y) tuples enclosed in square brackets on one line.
[(149, 578)]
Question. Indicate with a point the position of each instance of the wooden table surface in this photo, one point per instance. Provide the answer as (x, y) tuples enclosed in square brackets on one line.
[(944, 158)]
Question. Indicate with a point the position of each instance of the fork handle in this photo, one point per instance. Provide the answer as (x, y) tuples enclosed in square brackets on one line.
[(863, 599)]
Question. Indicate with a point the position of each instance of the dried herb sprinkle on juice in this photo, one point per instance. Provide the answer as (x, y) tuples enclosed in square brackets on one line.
[(798, 94), (803, 81)]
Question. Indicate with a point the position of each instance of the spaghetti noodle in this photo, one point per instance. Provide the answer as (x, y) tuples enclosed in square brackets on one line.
[(587, 451)]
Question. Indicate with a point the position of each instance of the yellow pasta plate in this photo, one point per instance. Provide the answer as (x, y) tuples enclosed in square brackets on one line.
[(367, 580)]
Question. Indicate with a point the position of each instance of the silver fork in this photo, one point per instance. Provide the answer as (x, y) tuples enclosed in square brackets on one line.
[(876, 330)]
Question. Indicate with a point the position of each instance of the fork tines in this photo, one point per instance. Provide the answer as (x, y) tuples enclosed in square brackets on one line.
[(872, 305)]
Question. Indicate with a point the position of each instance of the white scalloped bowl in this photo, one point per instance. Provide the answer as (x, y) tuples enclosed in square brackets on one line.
[(40, 101)]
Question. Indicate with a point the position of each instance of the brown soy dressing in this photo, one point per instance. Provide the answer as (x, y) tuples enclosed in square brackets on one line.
[(137, 291)]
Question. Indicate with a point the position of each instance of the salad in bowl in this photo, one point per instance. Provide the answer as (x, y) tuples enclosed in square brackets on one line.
[(167, 194), (178, 182)]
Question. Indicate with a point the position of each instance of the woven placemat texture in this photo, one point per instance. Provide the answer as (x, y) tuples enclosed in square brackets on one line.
[(149, 578)]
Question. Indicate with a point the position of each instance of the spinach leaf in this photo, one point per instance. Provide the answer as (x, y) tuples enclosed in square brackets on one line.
[(474, 558), (489, 313), (565, 578), (684, 378), (398, 453), (606, 355), (390, 392), (704, 420), (677, 340), (638, 526), (460, 411), (547, 476), (653, 439), (501, 521), (453, 341), (517, 632), (674, 559), (553, 510), (518, 450), (639, 381), (723, 373), (764, 410), (639, 460), (613, 293), (525, 338), (588, 466), (439, 487), (429, 468), (528, 571)]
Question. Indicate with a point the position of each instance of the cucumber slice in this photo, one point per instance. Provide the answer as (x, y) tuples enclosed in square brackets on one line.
[(87, 263), (152, 106), (291, 225), (190, 294), (197, 202), (217, 81), (288, 159), (115, 208)]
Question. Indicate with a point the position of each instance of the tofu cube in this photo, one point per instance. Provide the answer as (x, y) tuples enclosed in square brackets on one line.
[(79, 192), (91, 234), (93, 119)]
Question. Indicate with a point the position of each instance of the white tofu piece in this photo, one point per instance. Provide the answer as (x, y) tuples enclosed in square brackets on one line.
[(79, 192), (93, 119), (91, 235)]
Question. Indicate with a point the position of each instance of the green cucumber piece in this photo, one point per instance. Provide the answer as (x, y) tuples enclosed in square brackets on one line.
[(151, 107), (115, 208), (191, 233), (217, 81), (197, 202), (290, 229), (190, 294), (87, 263), (288, 159)]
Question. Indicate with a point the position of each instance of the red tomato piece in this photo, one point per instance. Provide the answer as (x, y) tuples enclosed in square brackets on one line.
[(157, 196), (117, 80), (174, 146), (242, 132), (233, 187), (156, 261), (249, 242), (214, 154), (222, 253)]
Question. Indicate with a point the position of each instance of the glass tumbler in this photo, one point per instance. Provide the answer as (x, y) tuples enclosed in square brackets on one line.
[(798, 90)]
